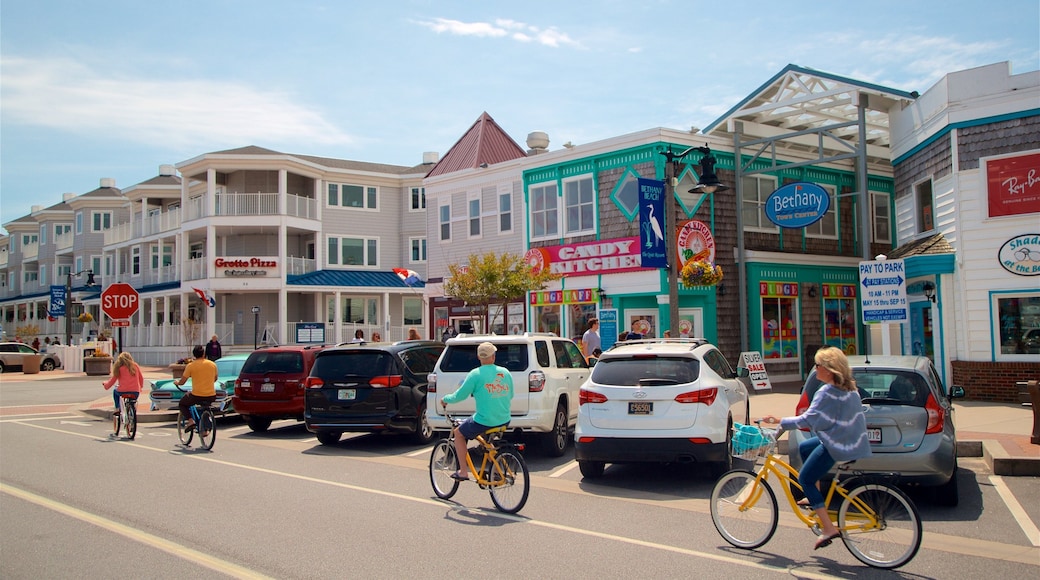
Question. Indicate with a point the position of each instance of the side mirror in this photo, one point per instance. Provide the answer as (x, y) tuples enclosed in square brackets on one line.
[(592, 362), (956, 392), (743, 372)]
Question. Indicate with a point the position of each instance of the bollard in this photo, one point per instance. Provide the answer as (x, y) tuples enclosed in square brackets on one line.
[(1034, 399)]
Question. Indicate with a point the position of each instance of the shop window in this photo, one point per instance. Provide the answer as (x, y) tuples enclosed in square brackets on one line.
[(581, 314), (547, 319), (1018, 318), (779, 320), (413, 311), (839, 320), (516, 319)]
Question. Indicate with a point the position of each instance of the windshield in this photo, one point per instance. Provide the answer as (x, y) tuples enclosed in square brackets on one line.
[(877, 385), (462, 358)]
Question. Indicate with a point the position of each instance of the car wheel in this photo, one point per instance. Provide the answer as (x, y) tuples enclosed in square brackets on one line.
[(47, 365), (591, 469), (258, 424), (1, 367), (328, 437), (947, 493), (555, 441), (423, 431)]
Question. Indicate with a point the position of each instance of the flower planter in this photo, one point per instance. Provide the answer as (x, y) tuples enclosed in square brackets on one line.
[(177, 370), (97, 366)]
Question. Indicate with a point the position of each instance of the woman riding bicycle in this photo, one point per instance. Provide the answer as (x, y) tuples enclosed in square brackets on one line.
[(836, 419), (492, 389), (203, 375), (128, 374)]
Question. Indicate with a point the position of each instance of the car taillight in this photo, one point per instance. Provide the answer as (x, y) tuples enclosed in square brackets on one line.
[(536, 381), (431, 383), (706, 396), (936, 415), (315, 383), (385, 381), (587, 396), (803, 406)]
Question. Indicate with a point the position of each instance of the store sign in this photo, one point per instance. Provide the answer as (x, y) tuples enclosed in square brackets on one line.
[(1021, 255), (1013, 185), (797, 205), (588, 258), (695, 242), (652, 249), (752, 360), (245, 267), (839, 290), (777, 289), (580, 296)]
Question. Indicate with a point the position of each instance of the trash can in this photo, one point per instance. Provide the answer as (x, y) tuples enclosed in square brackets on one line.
[(31, 363)]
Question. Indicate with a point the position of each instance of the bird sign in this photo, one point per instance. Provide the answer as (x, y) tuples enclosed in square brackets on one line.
[(651, 233)]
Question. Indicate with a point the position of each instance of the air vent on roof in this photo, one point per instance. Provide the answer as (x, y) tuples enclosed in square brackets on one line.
[(430, 157), (538, 142), (108, 182), (167, 170)]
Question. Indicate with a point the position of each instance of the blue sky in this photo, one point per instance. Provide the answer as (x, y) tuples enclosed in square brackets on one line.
[(115, 88)]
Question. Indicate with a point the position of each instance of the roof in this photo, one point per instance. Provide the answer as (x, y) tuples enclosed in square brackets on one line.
[(484, 143), (361, 278), (930, 245), (327, 161)]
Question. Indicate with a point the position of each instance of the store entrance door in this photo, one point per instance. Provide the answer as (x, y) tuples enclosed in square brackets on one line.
[(921, 329)]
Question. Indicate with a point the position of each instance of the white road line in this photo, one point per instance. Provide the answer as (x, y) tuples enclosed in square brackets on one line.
[(33, 417), (1020, 515), (137, 535), (418, 453), (564, 469)]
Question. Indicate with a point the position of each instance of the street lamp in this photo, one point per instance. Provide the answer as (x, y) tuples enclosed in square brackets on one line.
[(68, 300), (256, 325), (707, 184)]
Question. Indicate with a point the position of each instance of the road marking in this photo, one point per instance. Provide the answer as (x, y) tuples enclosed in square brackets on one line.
[(418, 453), (80, 423), (1020, 515), (137, 535), (34, 418), (564, 469)]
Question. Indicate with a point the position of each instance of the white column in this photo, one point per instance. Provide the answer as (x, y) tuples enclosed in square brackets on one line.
[(337, 323), (283, 326), (210, 202), (386, 316), (283, 190)]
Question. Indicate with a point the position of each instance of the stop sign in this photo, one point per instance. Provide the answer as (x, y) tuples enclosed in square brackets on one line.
[(119, 301)]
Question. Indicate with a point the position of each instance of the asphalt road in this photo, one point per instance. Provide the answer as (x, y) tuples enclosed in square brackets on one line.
[(77, 504)]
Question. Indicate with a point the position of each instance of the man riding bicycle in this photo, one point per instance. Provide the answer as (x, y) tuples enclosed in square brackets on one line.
[(203, 375), (492, 390)]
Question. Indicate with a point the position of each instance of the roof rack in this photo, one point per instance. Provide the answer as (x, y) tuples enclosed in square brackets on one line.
[(695, 341)]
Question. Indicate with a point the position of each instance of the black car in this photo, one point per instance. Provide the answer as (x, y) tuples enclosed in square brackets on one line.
[(370, 388)]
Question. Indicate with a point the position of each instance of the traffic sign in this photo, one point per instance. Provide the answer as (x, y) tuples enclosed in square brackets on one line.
[(120, 323), (883, 291), (119, 301)]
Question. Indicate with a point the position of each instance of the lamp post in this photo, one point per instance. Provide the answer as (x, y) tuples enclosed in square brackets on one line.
[(256, 325), (708, 183), (68, 300)]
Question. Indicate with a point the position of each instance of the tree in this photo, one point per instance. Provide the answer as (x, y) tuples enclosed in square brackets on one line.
[(492, 278)]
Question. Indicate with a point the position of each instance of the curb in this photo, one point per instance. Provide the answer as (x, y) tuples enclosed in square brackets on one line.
[(1002, 463)]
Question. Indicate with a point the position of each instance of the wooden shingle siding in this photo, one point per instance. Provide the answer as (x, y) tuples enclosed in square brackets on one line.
[(974, 143)]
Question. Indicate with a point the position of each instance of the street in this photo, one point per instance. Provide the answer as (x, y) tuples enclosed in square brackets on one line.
[(279, 505)]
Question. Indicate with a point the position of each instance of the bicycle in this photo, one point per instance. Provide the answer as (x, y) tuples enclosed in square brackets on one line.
[(879, 524), (205, 425), (126, 416), (494, 464)]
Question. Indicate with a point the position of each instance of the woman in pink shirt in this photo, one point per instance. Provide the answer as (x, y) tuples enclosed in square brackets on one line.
[(130, 378)]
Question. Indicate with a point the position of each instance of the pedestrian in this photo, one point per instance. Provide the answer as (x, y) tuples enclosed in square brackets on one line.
[(128, 374), (590, 341), (449, 332), (213, 350), (413, 334), (359, 336), (55, 341), (376, 337), (36, 343)]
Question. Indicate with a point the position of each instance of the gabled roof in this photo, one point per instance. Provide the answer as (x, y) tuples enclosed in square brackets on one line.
[(484, 142), (364, 278), (799, 98), (329, 162)]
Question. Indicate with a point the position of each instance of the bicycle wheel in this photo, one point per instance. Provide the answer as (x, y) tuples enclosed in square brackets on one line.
[(117, 423), (207, 429), (510, 482), (743, 510), (184, 434), (131, 419), (880, 525), (443, 463)]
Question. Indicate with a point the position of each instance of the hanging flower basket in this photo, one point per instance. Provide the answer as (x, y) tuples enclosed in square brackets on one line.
[(86, 317), (700, 273)]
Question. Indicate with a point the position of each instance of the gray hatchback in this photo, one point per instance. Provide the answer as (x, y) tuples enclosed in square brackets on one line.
[(909, 421)]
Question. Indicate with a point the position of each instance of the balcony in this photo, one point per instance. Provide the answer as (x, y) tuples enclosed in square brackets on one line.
[(3, 259), (253, 204), (30, 251), (63, 241), (158, 223), (297, 266)]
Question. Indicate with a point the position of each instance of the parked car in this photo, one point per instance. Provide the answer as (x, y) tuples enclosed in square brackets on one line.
[(165, 395), (660, 400), (909, 421), (547, 372), (12, 357), (370, 388), (271, 384)]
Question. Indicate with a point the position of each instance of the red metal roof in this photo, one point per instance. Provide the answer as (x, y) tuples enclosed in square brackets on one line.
[(484, 142)]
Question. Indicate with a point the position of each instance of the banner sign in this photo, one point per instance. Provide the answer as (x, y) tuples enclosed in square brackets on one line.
[(652, 223), (587, 258), (57, 304), (578, 296), (797, 205), (1013, 184), (608, 327)]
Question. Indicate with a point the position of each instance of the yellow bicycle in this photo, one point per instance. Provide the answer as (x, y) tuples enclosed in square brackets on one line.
[(878, 523)]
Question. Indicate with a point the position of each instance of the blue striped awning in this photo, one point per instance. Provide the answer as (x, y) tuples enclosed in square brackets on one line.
[(351, 278)]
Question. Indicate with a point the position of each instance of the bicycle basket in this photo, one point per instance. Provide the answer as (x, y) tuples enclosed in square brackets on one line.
[(751, 443)]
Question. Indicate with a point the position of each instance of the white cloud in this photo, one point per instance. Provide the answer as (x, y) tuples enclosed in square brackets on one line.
[(502, 27), (69, 95)]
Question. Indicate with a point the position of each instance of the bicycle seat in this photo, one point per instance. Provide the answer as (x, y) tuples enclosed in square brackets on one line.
[(130, 396)]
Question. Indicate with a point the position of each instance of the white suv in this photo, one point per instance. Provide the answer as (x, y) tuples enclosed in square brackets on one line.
[(547, 372), (660, 400)]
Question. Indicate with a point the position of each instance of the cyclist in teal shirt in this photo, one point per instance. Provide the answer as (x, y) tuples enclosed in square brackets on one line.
[(492, 389)]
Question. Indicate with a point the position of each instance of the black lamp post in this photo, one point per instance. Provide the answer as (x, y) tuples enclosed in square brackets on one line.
[(256, 325), (68, 300), (707, 184)]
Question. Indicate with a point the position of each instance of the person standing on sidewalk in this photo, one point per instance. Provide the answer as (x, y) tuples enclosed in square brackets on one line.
[(203, 375), (213, 350), (128, 374)]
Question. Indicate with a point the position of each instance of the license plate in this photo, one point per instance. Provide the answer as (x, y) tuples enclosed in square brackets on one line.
[(267, 388), (347, 394), (641, 408), (874, 435)]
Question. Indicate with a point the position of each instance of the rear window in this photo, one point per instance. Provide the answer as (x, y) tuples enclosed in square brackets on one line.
[(628, 372), (462, 358), (361, 363), (274, 362), (905, 387)]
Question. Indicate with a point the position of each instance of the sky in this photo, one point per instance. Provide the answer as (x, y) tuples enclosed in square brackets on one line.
[(116, 88)]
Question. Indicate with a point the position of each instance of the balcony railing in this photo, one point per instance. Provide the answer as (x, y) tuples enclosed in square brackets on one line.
[(297, 266), (195, 269), (3, 259), (30, 251), (254, 204), (154, 224), (305, 207), (63, 241)]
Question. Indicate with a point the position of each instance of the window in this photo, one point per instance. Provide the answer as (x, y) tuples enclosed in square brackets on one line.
[(413, 311), (63, 271), (79, 222), (61, 229), (355, 310), (779, 319), (473, 212), (43, 275), (753, 205), (353, 196), (29, 239), (579, 202), (353, 251), (544, 212), (418, 249), (167, 256), (79, 264), (100, 221), (881, 206), (43, 234), (827, 227), (516, 319), (925, 206), (29, 276), (95, 263), (839, 316), (626, 196), (418, 198), (135, 261), (1018, 320), (444, 215), (505, 212)]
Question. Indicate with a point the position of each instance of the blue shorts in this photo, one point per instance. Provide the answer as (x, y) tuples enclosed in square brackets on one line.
[(470, 428)]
